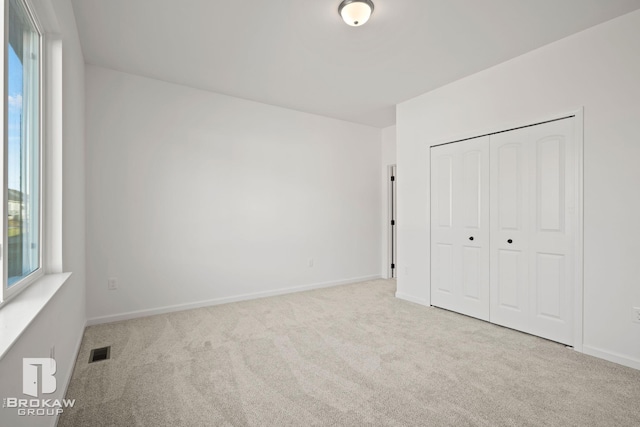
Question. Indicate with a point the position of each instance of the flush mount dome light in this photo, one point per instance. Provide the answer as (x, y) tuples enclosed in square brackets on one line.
[(355, 12)]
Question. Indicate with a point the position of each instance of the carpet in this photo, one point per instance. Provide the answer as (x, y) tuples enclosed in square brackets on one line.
[(349, 355)]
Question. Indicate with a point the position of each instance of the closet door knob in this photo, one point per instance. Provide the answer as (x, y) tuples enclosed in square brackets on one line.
[(471, 238), (509, 241)]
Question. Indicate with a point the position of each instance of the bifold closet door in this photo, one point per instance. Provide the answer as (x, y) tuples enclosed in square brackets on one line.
[(532, 229), (460, 227)]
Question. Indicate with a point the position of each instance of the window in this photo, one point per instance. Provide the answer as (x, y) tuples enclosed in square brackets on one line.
[(22, 231)]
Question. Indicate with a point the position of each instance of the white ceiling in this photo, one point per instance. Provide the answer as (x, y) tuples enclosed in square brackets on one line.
[(299, 54)]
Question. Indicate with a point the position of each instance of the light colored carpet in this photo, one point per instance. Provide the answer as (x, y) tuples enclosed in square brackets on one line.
[(348, 356)]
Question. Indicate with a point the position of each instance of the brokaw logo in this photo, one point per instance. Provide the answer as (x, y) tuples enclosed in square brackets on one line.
[(30, 376), (38, 377)]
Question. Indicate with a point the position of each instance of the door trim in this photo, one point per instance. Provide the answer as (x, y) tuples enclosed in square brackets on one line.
[(578, 313)]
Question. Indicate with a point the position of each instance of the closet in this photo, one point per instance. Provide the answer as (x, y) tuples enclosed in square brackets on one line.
[(503, 224)]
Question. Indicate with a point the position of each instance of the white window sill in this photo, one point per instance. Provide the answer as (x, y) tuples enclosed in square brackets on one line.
[(18, 313)]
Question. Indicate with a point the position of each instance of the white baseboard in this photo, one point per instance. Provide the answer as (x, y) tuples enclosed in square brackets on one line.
[(612, 356), (417, 300), (223, 300), (67, 379)]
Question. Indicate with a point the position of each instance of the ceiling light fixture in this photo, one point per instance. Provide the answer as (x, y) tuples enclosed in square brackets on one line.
[(355, 12)]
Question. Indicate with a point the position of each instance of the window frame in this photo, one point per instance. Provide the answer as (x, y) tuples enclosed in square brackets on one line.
[(19, 286)]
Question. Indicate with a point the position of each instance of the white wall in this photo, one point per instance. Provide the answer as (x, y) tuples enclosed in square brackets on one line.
[(61, 322), (599, 69), (388, 158), (194, 196)]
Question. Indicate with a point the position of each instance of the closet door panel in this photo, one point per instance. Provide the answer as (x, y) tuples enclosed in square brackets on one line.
[(444, 266), (509, 228), (474, 219), (552, 231), (460, 222), (532, 230)]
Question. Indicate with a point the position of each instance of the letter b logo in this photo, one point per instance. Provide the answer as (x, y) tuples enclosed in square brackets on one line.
[(30, 375)]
